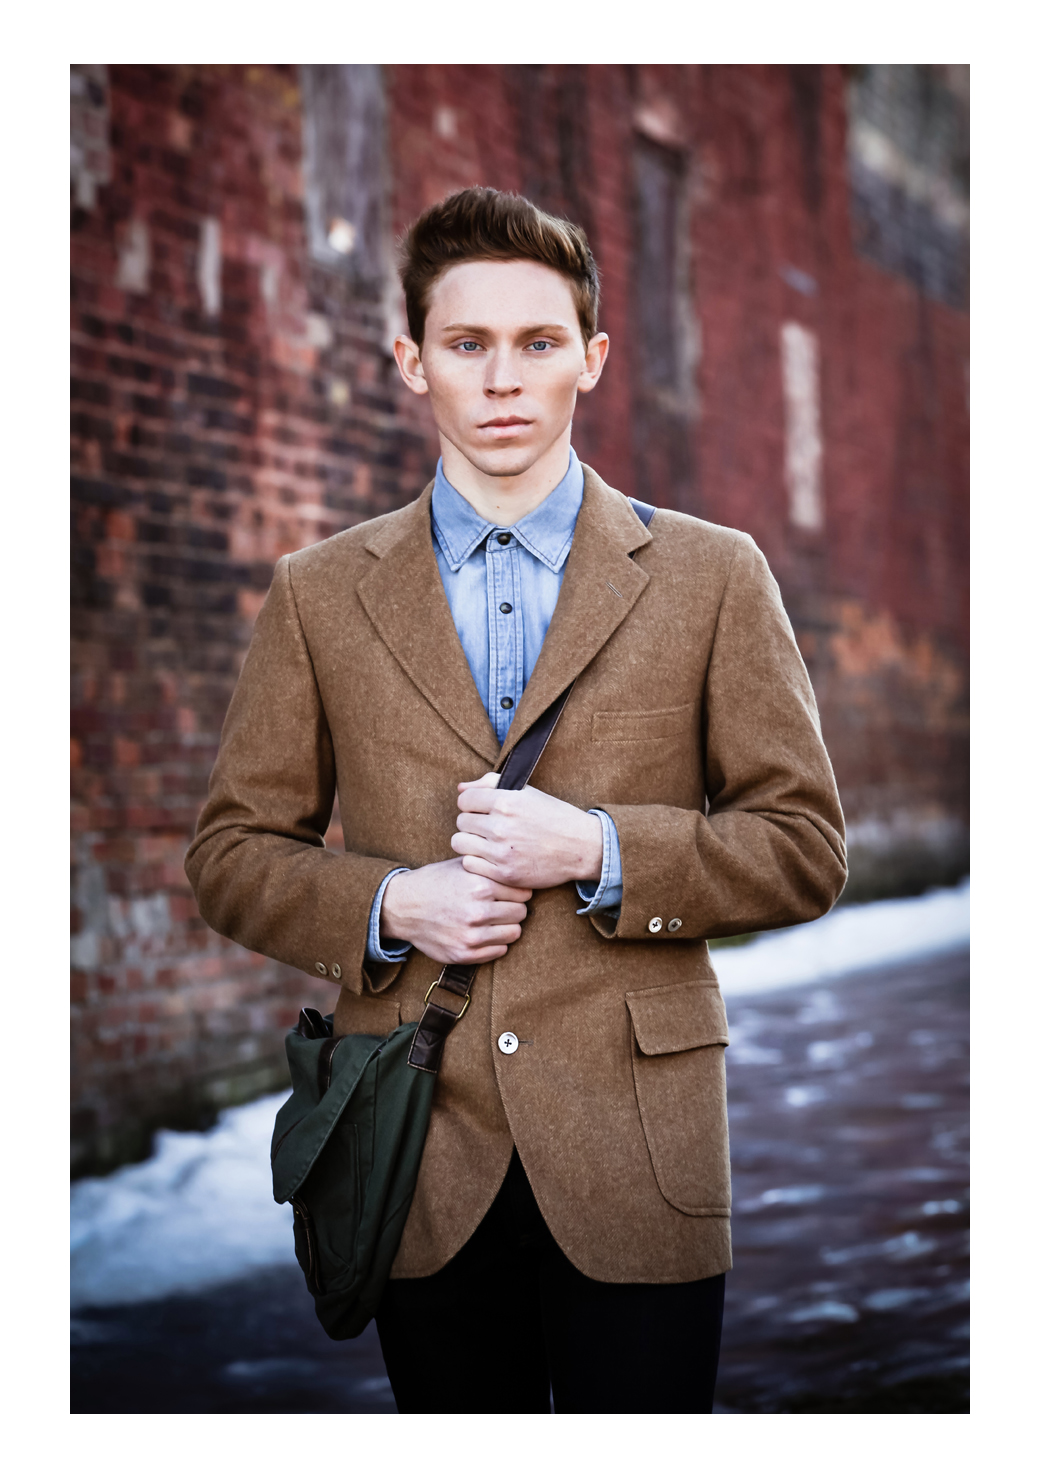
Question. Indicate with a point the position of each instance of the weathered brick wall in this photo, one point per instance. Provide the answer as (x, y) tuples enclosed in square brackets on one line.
[(233, 399), (878, 593), (230, 404)]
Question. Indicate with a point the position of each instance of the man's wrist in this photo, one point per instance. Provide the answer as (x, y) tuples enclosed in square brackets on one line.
[(603, 895), (393, 914), (382, 945), (591, 862)]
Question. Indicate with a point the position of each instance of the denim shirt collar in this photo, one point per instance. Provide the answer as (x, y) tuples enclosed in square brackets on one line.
[(547, 532)]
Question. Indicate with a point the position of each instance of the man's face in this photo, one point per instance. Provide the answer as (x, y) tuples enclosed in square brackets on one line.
[(502, 361)]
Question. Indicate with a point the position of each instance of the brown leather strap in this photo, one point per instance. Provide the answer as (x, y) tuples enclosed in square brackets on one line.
[(439, 1018), (520, 764)]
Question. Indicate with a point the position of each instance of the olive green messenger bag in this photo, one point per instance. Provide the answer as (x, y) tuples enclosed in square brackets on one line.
[(348, 1142)]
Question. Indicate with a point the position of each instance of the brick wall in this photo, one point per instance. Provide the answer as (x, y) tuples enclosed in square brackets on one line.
[(233, 400)]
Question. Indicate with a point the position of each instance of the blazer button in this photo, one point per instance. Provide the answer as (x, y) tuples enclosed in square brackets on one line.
[(673, 927), (322, 970), (655, 924), (337, 972), (507, 1042)]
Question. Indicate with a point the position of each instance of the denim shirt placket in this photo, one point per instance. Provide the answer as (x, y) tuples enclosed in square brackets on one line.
[(505, 630)]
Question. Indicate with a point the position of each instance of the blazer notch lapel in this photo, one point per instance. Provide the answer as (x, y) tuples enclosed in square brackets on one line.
[(404, 598)]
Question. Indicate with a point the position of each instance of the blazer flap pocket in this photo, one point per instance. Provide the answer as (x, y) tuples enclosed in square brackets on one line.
[(641, 727), (677, 1017)]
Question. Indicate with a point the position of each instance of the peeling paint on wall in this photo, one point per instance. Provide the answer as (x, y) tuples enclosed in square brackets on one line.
[(803, 448), (866, 645), (209, 264), (90, 157)]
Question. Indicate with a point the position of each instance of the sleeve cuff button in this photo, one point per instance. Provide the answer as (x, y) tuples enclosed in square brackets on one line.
[(655, 924)]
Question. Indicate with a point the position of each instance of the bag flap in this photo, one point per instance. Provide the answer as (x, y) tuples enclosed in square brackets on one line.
[(677, 1017), (303, 1123)]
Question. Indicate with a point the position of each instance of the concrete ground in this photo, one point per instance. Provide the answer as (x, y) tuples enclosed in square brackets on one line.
[(848, 1123)]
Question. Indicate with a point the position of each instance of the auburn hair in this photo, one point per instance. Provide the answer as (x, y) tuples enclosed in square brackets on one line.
[(482, 224)]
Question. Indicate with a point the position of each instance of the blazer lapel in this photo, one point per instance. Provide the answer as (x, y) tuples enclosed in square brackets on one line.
[(600, 586), (405, 600)]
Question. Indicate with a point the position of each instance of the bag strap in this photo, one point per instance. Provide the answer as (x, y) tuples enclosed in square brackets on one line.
[(438, 1020)]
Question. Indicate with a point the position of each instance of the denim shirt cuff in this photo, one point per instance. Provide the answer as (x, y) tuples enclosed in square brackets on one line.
[(604, 896), (389, 950)]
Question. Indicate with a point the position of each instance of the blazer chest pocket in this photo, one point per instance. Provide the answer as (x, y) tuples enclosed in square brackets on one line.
[(679, 1034), (642, 727)]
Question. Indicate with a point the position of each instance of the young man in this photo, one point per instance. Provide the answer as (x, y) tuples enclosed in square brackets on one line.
[(571, 1220)]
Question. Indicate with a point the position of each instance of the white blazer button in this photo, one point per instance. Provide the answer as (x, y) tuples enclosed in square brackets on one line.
[(656, 924), (675, 924), (322, 970), (507, 1042)]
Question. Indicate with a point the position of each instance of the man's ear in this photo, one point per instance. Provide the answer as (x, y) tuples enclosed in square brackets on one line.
[(409, 362), (595, 358)]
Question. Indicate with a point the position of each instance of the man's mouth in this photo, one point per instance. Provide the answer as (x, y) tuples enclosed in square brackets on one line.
[(503, 420)]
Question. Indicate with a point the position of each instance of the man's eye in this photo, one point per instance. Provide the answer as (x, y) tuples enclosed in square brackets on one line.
[(469, 344), (541, 343)]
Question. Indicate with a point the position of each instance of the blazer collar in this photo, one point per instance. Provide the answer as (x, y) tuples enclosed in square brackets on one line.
[(405, 600)]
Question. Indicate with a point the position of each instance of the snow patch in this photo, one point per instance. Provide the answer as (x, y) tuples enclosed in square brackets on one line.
[(825, 1312), (199, 1212)]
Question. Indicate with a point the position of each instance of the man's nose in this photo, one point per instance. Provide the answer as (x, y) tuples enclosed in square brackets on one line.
[(502, 376)]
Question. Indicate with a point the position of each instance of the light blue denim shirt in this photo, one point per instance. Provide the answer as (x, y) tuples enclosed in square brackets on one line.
[(502, 585)]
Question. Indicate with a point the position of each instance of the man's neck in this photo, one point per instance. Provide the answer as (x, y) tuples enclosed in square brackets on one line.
[(504, 500)]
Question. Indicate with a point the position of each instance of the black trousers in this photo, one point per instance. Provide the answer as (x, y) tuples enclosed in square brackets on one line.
[(509, 1318)]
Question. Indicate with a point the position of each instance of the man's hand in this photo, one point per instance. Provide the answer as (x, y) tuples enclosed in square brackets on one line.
[(524, 838), (451, 914)]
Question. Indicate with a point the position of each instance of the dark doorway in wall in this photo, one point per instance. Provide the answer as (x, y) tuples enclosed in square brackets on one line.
[(806, 104), (664, 330)]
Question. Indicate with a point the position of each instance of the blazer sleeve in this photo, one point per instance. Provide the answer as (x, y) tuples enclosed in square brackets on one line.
[(770, 851), (258, 864)]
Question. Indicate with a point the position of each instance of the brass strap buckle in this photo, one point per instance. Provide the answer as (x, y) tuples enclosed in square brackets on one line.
[(461, 1012)]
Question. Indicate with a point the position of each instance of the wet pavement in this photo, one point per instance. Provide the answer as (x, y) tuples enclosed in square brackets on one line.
[(849, 1293), (849, 1139)]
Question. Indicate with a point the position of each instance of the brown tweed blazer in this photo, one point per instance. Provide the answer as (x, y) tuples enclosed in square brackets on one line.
[(692, 723)]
